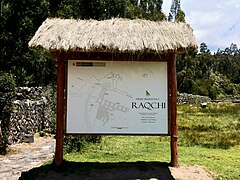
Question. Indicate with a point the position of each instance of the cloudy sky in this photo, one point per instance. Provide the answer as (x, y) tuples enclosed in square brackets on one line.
[(215, 22)]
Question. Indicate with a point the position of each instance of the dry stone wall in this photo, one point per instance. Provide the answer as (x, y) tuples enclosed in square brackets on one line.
[(31, 114), (34, 111), (183, 98)]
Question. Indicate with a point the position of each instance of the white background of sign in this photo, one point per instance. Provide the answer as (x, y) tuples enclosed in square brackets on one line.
[(100, 97)]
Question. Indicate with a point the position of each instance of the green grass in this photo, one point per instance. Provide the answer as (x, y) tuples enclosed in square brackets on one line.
[(223, 163), (216, 126), (124, 148), (208, 137)]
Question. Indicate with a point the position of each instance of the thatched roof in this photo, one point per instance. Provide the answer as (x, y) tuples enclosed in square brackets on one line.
[(121, 35)]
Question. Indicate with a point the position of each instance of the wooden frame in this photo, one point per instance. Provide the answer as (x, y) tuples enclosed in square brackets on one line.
[(62, 58)]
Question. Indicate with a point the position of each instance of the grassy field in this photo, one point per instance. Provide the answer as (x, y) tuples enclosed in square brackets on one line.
[(208, 137)]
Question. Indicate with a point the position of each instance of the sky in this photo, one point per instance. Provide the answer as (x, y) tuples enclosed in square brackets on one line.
[(215, 22)]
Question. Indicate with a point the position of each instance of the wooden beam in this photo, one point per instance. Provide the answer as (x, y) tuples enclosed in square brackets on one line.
[(172, 78), (61, 57)]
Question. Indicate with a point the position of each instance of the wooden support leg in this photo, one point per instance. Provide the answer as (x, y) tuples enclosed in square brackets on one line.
[(172, 77), (60, 109)]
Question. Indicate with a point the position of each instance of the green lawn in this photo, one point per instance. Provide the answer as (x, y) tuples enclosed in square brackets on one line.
[(224, 163), (208, 137)]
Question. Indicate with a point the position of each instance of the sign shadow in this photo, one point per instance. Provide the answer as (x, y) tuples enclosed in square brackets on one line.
[(101, 170)]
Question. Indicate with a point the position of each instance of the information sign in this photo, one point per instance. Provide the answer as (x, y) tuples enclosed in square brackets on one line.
[(117, 97)]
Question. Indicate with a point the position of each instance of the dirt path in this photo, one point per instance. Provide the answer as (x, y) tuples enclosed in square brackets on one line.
[(24, 157)]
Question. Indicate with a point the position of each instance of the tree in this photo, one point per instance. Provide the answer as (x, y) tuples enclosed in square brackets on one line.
[(186, 70), (7, 94), (19, 20), (209, 74), (176, 14), (30, 67), (228, 63), (180, 17), (204, 48), (233, 49), (90, 9), (146, 9), (106, 9)]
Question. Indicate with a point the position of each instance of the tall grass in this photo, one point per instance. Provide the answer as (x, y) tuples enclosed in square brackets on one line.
[(216, 126)]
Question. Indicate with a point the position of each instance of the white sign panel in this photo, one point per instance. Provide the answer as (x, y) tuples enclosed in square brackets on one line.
[(117, 97)]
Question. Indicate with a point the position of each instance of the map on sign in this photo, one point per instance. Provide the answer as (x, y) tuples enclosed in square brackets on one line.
[(117, 97)]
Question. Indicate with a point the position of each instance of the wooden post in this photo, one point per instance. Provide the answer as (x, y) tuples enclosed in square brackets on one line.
[(60, 109), (172, 78)]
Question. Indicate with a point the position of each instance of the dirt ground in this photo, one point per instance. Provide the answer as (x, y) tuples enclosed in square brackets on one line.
[(121, 170), (190, 172)]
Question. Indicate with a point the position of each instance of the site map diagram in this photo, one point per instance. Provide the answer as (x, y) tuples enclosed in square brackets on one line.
[(116, 97)]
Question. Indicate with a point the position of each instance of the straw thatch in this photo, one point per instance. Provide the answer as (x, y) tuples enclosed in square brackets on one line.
[(122, 35)]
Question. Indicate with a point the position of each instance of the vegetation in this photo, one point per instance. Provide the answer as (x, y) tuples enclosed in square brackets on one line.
[(7, 93), (21, 18), (176, 14), (99, 9), (198, 72), (121, 153), (77, 143), (19, 21), (216, 126), (207, 74), (208, 137)]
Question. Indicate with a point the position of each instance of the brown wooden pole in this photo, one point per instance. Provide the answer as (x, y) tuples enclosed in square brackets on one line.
[(60, 109), (172, 77)]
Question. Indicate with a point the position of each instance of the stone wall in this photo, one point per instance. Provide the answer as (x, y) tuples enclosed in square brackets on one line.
[(183, 98), (34, 111), (31, 113)]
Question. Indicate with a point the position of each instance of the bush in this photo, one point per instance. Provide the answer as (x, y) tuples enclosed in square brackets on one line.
[(7, 94), (77, 143), (200, 88)]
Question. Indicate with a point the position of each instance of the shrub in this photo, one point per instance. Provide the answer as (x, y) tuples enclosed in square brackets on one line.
[(200, 87), (77, 143), (7, 93)]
